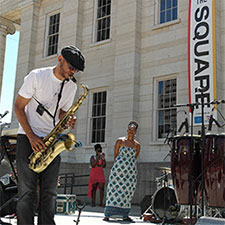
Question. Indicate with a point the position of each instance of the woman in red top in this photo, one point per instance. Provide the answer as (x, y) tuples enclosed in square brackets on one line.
[(97, 177)]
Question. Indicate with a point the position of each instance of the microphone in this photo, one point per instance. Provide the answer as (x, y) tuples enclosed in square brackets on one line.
[(4, 114), (211, 120), (186, 125), (167, 136)]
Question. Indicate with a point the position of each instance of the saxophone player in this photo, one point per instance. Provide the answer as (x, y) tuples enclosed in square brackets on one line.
[(45, 96)]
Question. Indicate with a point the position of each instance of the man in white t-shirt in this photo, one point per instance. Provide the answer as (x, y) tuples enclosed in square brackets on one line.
[(44, 98)]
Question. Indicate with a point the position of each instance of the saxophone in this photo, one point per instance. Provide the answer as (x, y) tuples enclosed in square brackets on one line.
[(55, 141)]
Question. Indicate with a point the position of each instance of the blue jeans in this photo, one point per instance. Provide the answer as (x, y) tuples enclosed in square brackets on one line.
[(27, 187)]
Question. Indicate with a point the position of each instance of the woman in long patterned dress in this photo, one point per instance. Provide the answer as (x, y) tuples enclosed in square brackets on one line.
[(123, 175)]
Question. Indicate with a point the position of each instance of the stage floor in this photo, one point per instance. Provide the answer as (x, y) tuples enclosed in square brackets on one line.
[(91, 216)]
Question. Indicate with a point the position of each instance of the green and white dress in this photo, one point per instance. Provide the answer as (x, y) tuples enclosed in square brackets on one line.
[(122, 183)]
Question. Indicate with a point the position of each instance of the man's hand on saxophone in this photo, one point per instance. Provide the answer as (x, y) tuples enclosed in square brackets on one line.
[(72, 120), (37, 143)]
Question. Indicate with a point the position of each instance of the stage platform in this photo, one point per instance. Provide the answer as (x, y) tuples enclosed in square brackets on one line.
[(91, 216), (94, 216)]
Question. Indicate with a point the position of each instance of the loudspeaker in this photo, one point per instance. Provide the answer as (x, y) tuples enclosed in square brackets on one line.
[(145, 203), (210, 220)]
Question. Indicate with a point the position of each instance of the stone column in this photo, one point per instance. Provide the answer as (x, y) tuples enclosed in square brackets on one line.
[(6, 27)]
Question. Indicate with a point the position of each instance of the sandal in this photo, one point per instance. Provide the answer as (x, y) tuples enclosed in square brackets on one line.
[(128, 219), (106, 219)]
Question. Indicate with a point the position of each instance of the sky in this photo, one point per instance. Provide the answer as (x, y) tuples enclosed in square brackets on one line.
[(9, 75)]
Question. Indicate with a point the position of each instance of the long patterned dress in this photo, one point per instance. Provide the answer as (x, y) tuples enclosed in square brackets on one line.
[(122, 183)]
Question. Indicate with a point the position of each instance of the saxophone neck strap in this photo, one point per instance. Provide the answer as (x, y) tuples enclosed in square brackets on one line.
[(59, 97), (57, 104)]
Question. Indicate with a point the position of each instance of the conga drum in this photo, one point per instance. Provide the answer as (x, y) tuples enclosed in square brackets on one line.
[(214, 170), (180, 168)]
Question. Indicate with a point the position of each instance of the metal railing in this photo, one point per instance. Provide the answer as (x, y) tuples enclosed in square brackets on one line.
[(69, 182)]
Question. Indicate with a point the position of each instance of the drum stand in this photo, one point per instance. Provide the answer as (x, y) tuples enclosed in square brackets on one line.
[(165, 220), (164, 177)]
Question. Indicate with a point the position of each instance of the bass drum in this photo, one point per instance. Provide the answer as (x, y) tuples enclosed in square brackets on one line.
[(164, 204)]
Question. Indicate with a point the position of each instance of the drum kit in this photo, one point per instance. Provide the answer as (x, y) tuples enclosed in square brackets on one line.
[(8, 182), (198, 175)]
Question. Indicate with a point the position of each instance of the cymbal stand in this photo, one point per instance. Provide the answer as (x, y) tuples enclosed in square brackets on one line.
[(165, 184)]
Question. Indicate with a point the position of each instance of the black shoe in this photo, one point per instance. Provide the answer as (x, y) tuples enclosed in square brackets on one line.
[(4, 223), (128, 219)]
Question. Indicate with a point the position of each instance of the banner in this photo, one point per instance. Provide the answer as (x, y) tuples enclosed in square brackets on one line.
[(202, 56)]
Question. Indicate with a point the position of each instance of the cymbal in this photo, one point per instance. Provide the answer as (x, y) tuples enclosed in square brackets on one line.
[(164, 169)]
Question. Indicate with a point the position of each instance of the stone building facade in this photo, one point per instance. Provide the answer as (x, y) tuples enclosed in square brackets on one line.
[(136, 68)]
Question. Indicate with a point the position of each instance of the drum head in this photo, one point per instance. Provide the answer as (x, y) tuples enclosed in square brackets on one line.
[(164, 203)]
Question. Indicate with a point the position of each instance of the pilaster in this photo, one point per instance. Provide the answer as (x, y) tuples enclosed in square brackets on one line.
[(6, 27), (126, 66)]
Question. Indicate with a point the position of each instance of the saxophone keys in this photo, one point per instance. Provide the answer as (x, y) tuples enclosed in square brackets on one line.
[(51, 139), (47, 143)]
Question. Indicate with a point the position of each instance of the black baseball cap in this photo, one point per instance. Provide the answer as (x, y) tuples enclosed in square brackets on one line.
[(74, 57)]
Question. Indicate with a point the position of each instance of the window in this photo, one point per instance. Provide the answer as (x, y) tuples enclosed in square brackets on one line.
[(166, 115), (53, 34), (168, 10), (103, 20), (98, 119)]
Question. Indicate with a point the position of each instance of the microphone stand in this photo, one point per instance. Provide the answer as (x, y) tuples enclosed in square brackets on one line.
[(190, 178), (202, 152), (190, 164)]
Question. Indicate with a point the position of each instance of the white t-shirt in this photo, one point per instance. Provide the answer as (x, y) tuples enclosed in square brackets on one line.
[(44, 86)]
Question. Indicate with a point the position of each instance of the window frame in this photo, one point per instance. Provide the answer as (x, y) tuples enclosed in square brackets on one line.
[(90, 119), (157, 16), (46, 45), (156, 108), (166, 10), (95, 25)]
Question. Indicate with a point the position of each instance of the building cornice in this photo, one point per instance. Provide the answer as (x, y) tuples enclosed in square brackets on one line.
[(7, 25), (27, 3)]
